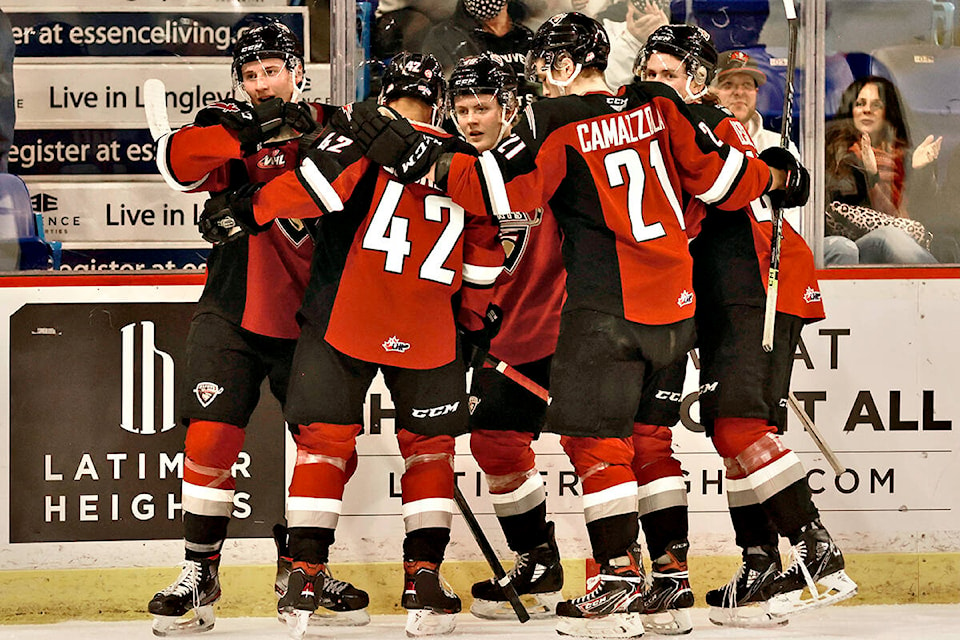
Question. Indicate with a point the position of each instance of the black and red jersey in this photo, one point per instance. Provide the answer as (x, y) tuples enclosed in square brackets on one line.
[(731, 252), (258, 281), (531, 289), (412, 249), (613, 168)]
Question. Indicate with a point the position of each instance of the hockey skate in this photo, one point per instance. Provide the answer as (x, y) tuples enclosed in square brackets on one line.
[(612, 606), (340, 603), (300, 600), (197, 589), (431, 604), (668, 594), (815, 577), (537, 572), (742, 602)]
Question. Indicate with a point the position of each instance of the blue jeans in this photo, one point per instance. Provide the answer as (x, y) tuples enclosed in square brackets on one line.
[(890, 245)]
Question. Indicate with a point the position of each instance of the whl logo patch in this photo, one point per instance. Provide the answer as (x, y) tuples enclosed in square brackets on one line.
[(811, 295), (395, 345), (685, 298), (207, 392)]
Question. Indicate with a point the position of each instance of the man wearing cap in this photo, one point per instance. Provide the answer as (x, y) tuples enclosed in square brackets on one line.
[(738, 83)]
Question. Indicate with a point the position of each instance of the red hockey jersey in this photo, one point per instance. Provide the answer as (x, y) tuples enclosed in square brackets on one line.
[(613, 168), (256, 282), (732, 250), (412, 251), (531, 289)]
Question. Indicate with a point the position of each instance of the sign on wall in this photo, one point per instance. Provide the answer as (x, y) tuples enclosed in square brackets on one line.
[(95, 438)]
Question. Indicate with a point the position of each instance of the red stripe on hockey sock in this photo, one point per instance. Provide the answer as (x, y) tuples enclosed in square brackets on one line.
[(210, 450)]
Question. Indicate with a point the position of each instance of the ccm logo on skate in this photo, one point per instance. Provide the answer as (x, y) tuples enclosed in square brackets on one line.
[(435, 412)]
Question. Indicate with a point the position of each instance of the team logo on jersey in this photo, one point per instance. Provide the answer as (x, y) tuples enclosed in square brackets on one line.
[(686, 297), (294, 229), (395, 345), (272, 159), (207, 392), (472, 403), (811, 295), (515, 229)]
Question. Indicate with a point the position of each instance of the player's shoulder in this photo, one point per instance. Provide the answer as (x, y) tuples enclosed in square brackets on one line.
[(713, 115), (322, 111)]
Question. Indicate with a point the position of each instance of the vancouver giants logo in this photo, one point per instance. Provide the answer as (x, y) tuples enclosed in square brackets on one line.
[(395, 345), (207, 392)]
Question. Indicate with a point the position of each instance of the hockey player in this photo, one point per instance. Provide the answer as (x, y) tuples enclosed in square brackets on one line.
[(742, 388), (409, 243), (605, 163), (505, 418), (244, 328)]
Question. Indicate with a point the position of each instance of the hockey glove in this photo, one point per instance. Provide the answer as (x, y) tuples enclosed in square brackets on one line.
[(797, 190), (299, 117), (228, 216), (476, 343), (253, 125), (388, 139)]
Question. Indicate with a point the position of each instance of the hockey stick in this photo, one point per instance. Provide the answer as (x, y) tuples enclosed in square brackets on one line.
[(815, 434), (773, 276), (155, 107), (501, 576)]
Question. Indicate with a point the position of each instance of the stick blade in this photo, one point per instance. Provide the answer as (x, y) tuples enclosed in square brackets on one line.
[(155, 107)]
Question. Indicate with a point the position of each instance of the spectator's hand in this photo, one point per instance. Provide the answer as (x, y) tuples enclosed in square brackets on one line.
[(868, 156), (794, 188), (229, 216), (926, 152), (641, 23), (476, 342)]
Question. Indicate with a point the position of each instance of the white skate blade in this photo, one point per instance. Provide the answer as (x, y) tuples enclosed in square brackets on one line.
[(327, 618), (538, 605), (297, 623), (829, 590), (203, 620), (613, 625), (424, 622), (672, 622), (752, 616)]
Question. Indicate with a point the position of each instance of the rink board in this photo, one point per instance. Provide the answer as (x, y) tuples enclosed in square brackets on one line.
[(93, 478)]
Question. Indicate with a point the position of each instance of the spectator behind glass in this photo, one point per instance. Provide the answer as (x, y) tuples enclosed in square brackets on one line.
[(737, 84), (869, 164), (8, 113), (643, 17), (482, 26)]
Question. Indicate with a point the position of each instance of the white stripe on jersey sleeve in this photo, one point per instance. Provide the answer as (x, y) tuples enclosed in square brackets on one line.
[(320, 186), (724, 184), (162, 145), (480, 276), (496, 188)]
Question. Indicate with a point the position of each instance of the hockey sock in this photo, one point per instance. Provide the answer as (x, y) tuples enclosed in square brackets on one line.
[(203, 535), (428, 544), (611, 537), (310, 544), (663, 527), (526, 530), (792, 509), (752, 526)]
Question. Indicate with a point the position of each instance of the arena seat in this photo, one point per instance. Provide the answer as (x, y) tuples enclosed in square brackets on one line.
[(21, 241)]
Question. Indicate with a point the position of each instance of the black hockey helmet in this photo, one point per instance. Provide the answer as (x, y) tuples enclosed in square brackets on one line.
[(415, 75), (270, 40), (486, 73), (580, 37), (689, 43)]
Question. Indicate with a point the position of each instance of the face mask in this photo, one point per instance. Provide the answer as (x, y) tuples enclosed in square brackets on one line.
[(484, 9)]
